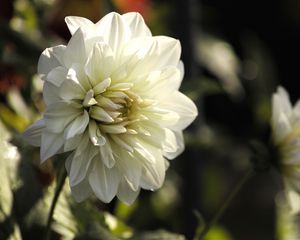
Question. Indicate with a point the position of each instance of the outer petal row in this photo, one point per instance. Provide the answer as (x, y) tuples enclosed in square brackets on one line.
[(34, 132), (183, 106), (50, 59), (175, 112), (281, 113), (145, 54), (74, 22), (133, 20)]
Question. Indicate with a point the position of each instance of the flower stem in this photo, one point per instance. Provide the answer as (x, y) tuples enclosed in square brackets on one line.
[(204, 230), (60, 183)]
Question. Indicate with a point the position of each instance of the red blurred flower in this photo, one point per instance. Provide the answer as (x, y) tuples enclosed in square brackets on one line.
[(141, 6), (10, 78)]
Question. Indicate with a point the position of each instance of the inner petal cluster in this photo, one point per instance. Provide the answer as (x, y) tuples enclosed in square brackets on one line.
[(113, 109)]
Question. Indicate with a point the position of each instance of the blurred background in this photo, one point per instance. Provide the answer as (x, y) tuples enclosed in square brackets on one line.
[(235, 53)]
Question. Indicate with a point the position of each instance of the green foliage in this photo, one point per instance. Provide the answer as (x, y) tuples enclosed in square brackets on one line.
[(158, 235), (218, 233), (9, 161), (287, 224), (7, 114)]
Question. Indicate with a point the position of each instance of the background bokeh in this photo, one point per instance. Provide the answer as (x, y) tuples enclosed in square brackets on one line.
[(235, 52)]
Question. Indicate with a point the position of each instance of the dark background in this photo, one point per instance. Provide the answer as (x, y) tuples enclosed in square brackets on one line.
[(263, 35)]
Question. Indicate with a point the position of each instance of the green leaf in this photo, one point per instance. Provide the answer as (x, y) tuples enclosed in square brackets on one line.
[(12, 119), (91, 222), (158, 235), (64, 222), (117, 227), (124, 211)]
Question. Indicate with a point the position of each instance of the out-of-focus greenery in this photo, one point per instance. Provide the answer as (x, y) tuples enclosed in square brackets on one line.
[(287, 227), (231, 78), (9, 160)]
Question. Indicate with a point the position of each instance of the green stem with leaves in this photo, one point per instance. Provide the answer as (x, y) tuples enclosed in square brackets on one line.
[(202, 231), (59, 186)]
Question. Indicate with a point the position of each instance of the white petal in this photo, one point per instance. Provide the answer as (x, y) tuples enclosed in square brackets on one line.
[(99, 114), (106, 155), (282, 115), (292, 196), (142, 148), (89, 99), (104, 181), (81, 191), (60, 114), (57, 75), (297, 108), (100, 63), (180, 66), (74, 22), (153, 174), (102, 86), (126, 194), (75, 51), (113, 129), (115, 94), (95, 135), (33, 133), (183, 106), (68, 162), (130, 167), (281, 128), (119, 141), (135, 56), (151, 53), (113, 30), (164, 119), (72, 143), (123, 86), (153, 166), (77, 72), (51, 144), (141, 130), (159, 84), (80, 164), (154, 135), (136, 24), (280, 104), (285, 99), (71, 88), (50, 93), (173, 145), (50, 59), (77, 126), (169, 51), (107, 103)]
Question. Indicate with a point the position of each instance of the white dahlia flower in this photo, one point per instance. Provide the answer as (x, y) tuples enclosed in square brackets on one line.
[(285, 123), (112, 101)]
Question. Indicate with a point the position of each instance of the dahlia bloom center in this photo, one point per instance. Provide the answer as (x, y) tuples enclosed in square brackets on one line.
[(114, 107)]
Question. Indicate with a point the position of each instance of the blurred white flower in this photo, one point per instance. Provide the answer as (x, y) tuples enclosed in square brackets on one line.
[(9, 162), (112, 100), (286, 136)]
